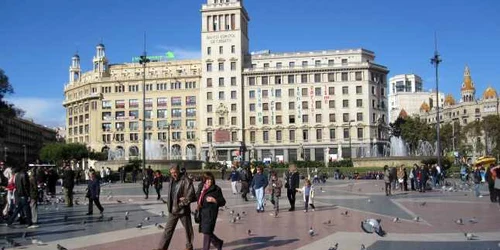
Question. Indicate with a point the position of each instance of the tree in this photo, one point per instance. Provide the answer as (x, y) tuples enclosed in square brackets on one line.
[(413, 131), (59, 152), (472, 136), (491, 128)]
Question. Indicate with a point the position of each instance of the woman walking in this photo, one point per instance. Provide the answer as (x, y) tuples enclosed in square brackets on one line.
[(158, 183), (210, 198)]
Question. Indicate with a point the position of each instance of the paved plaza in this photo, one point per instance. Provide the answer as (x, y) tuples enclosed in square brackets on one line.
[(435, 229)]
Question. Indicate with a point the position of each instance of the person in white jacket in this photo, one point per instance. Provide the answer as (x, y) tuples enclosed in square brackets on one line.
[(308, 194)]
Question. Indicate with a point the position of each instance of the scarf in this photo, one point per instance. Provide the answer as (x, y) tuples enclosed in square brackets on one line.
[(202, 195)]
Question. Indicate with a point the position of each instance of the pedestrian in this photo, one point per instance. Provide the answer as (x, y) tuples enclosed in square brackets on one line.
[(158, 183), (393, 177), (68, 184), (93, 192), (276, 185), (134, 175), (477, 181), (108, 174), (87, 176), (244, 179), (33, 198), (181, 194), (21, 198), (404, 187), (146, 182), (291, 184), (259, 184), (210, 199), (223, 172), (122, 174), (234, 177), (150, 174), (11, 186), (308, 194), (495, 173), (400, 175), (413, 177), (387, 180), (490, 180)]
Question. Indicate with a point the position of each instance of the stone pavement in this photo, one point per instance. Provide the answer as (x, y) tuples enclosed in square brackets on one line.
[(364, 199)]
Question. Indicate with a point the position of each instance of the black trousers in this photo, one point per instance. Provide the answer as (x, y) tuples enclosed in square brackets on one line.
[(97, 204), (290, 194), (388, 188), (493, 195), (145, 189), (158, 192), (22, 207), (211, 239)]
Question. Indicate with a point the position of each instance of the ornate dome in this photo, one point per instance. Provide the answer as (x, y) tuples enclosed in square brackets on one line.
[(468, 84), (490, 93), (449, 100), (425, 107), (403, 114)]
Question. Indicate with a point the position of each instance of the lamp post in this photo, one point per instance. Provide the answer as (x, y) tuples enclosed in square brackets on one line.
[(436, 60), (143, 61), (168, 141), (350, 139), (25, 156)]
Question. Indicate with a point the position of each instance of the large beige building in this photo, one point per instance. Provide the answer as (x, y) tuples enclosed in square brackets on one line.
[(278, 106)]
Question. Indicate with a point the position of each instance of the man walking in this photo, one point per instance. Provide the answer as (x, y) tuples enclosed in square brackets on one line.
[(181, 193), (93, 192), (387, 180), (234, 177), (21, 196), (259, 184), (145, 184), (68, 184), (33, 198), (291, 185)]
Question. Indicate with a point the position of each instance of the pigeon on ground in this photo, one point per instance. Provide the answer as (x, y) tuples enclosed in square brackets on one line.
[(37, 242), (232, 212), (126, 217), (130, 200), (119, 201), (238, 217), (159, 226), (327, 222), (363, 247), (244, 213), (11, 242), (369, 201), (473, 220), (147, 219), (59, 247), (110, 218), (126, 213), (395, 220), (162, 214), (460, 221), (469, 236), (249, 232), (346, 213), (139, 226), (417, 219), (359, 189), (311, 231), (232, 220), (423, 203), (335, 247)]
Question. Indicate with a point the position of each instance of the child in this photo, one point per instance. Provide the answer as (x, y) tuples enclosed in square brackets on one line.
[(158, 183), (276, 192), (308, 192)]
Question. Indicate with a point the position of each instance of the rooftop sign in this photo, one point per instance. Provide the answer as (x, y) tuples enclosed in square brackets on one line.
[(168, 56)]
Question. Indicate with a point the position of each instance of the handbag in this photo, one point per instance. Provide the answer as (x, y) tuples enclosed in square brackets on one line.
[(497, 183), (197, 218)]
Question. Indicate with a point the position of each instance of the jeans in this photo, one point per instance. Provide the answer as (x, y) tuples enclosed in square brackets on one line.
[(259, 195), (306, 205), (476, 189), (34, 211), (170, 228), (233, 187), (158, 192), (23, 208)]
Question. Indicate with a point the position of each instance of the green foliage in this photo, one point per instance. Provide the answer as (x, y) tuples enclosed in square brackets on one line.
[(275, 165), (309, 164), (346, 163), (446, 162), (133, 164), (213, 165), (98, 156), (414, 130), (58, 152)]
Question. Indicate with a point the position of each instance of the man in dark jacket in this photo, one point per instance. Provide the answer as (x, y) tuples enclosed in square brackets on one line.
[(490, 179), (33, 197), (292, 182), (21, 196), (93, 192), (68, 184), (181, 194), (259, 184)]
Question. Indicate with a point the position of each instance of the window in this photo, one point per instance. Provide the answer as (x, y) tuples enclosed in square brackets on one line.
[(345, 103), (291, 79), (319, 134), (266, 65), (222, 121), (345, 76), (133, 114), (332, 134), (161, 102), (233, 66), (305, 105), (317, 91), (221, 95), (221, 50), (305, 135), (358, 76), (303, 78), (233, 49), (233, 81), (304, 92), (147, 114), (331, 104), (304, 63), (279, 65), (277, 93), (331, 62), (317, 63), (209, 121), (331, 90), (265, 93), (278, 106), (318, 105), (234, 136), (291, 106), (373, 90), (346, 133), (221, 66), (359, 103), (291, 119), (317, 77), (209, 82), (332, 117), (233, 107), (209, 137), (291, 65), (251, 81), (278, 119), (265, 136), (318, 118), (360, 133), (345, 90), (265, 120), (209, 108), (252, 120), (382, 91), (252, 106), (209, 67), (277, 80), (161, 113), (265, 106), (331, 77), (359, 90), (209, 95), (176, 112), (233, 120), (134, 137), (345, 117), (233, 94), (359, 116), (344, 62), (209, 50), (278, 136), (291, 135), (291, 92), (265, 80), (305, 118), (252, 136), (191, 112), (251, 94)]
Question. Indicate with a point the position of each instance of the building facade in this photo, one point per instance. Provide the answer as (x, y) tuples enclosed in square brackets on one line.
[(23, 140), (407, 96), (276, 106)]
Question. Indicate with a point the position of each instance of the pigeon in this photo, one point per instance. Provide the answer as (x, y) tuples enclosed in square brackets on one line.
[(244, 213), (327, 222), (126, 213), (346, 213), (238, 217), (473, 220), (417, 219), (369, 201), (110, 197), (335, 247), (232, 212), (469, 236), (130, 200), (37, 242), (162, 214), (147, 219), (311, 231), (233, 220), (110, 218), (126, 217), (359, 189), (11, 242), (460, 221), (24, 235), (159, 226), (119, 201), (249, 232), (139, 226), (395, 220), (423, 203), (363, 247), (59, 247)]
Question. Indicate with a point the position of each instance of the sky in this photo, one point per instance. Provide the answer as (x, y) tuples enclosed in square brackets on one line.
[(38, 38)]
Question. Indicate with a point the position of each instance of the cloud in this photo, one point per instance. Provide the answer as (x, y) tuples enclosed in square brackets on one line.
[(44, 111), (180, 52)]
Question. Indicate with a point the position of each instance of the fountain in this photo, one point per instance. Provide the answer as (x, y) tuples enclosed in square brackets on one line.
[(398, 147)]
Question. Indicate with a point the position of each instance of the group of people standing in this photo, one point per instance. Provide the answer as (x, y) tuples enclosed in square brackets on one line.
[(418, 177)]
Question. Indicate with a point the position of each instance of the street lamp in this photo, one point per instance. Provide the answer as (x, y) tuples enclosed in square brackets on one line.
[(350, 139), (143, 61), (25, 158), (436, 60)]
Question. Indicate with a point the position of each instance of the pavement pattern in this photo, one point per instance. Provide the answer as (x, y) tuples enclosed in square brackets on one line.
[(436, 227)]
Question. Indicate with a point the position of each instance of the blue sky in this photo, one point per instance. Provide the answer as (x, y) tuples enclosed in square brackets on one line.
[(38, 38)]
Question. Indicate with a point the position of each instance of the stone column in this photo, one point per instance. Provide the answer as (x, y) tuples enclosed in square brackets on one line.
[(285, 155)]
